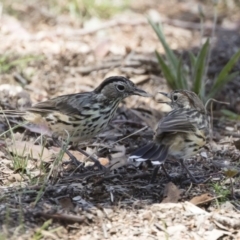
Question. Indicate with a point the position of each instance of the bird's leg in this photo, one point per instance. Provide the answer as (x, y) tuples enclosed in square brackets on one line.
[(96, 162), (155, 171), (166, 173), (154, 174), (71, 156), (194, 180)]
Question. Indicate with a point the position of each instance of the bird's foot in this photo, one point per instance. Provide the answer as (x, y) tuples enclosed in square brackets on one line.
[(155, 171)]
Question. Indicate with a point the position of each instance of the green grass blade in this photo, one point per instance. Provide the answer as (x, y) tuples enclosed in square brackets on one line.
[(200, 68), (225, 71), (230, 114), (217, 87), (166, 71), (169, 53), (181, 81), (179, 76), (193, 59)]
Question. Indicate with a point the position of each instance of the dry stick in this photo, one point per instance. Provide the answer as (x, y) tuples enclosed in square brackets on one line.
[(209, 200), (232, 189), (62, 217), (206, 104), (190, 187), (117, 23), (140, 130), (210, 50), (235, 135)]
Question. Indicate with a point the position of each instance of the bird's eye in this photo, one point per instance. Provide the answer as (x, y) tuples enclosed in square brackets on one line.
[(120, 88), (175, 97)]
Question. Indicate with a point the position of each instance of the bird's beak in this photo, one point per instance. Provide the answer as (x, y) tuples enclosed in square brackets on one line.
[(140, 92), (166, 95)]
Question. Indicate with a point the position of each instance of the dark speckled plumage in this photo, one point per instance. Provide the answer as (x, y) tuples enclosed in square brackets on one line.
[(181, 133), (80, 116)]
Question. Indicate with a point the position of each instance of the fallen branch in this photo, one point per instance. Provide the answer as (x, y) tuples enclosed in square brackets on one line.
[(143, 21), (62, 217)]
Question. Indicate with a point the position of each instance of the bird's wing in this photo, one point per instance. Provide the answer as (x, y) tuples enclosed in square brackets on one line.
[(176, 121), (66, 104)]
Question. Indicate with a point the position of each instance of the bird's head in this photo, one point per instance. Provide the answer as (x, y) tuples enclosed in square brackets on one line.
[(118, 87), (183, 99)]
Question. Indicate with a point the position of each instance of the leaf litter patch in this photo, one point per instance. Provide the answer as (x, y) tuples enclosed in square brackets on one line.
[(54, 201)]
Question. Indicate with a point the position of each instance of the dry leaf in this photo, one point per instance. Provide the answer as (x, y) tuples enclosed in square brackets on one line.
[(171, 193), (237, 144), (141, 79), (16, 177), (215, 234), (104, 161), (102, 49), (7, 171), (204, 198), (233, 222), (66, 203), (189, 207), (230, 172), (79, 156), (227, 167), (29, 150), (228, 206)]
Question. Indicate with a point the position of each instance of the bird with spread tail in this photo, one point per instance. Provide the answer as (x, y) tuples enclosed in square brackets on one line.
[(79, 116), (180, 134)]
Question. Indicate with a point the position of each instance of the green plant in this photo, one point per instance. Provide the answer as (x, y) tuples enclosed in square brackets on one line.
[(9, 61), (21, 156), (192, 77), (230, 115), (84, 9), (3, 236), (222, 191), (38, 234), (19, 163)]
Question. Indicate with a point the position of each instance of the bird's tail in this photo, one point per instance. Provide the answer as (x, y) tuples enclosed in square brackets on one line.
[(157, 153), (11, 113), (28, 121)]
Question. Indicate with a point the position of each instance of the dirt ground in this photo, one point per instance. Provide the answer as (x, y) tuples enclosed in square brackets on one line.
[(50, 48)]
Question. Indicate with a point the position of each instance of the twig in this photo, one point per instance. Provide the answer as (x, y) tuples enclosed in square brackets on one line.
[(19, 78), (62, 217), (140, 130), (235, 135), (143, 21), (209, 200), (129, 122), (108, 178), (190, 187), (139, 175)]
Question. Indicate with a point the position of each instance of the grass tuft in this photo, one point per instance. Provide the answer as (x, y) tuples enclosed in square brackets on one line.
[(193, 77)]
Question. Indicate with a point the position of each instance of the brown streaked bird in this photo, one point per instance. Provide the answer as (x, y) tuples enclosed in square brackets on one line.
[(80, 116), (180, 134)]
